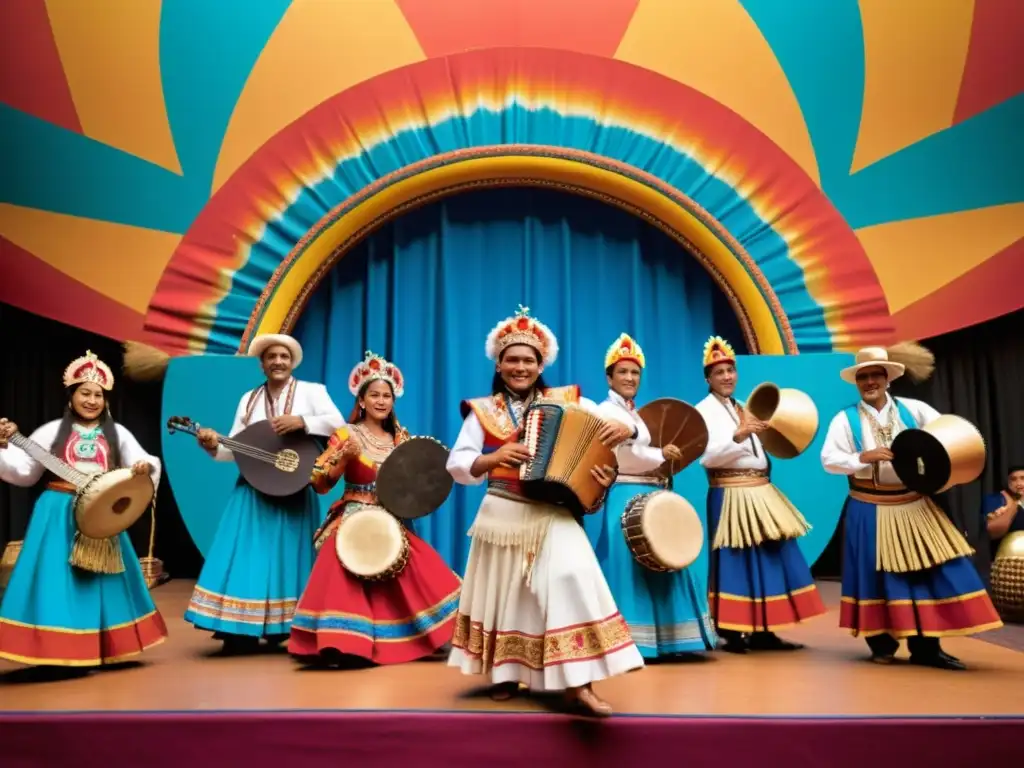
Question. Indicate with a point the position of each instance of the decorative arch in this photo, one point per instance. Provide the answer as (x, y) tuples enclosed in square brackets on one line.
[(792, 268)]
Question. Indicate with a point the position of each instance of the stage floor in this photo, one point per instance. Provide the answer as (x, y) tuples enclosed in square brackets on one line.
[(830, 678)]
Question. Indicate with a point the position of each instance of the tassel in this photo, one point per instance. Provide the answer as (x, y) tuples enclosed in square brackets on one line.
[(153, 567), (918, 360), (143, 362), (7, 561), (97, 555)]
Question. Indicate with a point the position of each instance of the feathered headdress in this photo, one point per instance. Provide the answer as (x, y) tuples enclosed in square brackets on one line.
[(522, 329), (718, 350), (624, 348)]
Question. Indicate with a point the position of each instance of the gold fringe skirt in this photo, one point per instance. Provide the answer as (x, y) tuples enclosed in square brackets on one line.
[(755, 513), (915, 535)]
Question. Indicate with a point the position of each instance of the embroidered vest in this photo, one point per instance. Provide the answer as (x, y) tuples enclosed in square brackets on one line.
[(853, 417), (500, 427)]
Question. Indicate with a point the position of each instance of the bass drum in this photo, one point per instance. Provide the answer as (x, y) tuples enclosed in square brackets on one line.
[(663, 531), (371, 544)]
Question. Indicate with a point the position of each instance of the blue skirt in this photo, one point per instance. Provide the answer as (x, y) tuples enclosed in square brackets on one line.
[(948, 599), (667, 613), (56, 614), (761, 588), (259, 563)]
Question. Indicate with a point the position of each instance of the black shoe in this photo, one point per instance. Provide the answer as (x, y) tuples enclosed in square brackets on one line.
[(734, 644), (769, 641), (938, 660)]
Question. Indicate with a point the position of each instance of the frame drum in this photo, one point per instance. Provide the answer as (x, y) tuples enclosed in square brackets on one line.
[(111, 502), (371, 544), (663, 531), (673, 422)]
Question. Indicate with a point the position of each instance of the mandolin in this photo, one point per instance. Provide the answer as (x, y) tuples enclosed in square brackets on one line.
[(277, 465)]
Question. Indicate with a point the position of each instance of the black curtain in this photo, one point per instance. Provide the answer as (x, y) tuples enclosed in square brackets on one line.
[(979, 375), (35, 352)]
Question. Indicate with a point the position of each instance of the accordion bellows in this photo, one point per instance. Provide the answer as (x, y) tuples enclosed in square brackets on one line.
[(563, 442)]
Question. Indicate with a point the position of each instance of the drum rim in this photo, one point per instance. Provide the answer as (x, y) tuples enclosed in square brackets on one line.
[(377, 511)]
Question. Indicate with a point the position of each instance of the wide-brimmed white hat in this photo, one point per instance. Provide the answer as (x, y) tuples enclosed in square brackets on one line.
[(872, 357), (265, 341)]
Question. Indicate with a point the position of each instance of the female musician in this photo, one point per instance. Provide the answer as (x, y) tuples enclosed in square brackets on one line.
[(400, 619), (97, 612), (667, 613), (535, 608)]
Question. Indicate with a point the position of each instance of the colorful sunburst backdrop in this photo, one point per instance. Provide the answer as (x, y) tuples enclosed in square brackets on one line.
[(162, 159)]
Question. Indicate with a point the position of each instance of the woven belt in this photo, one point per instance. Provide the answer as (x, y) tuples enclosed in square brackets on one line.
[(871, 493), (737, 478), (660, 482), (62, 486)]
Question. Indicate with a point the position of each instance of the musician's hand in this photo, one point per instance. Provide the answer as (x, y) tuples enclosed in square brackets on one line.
[(875, 455), (141, 468), (289, 423), (208, 439), (612, 433), (671, 453), (748, 424), (352, 448), (511, 455), (604, 475), (7, 430), (1007, 508)]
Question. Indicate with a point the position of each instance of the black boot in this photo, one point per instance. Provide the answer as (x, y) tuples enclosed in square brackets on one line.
[(769, 641)]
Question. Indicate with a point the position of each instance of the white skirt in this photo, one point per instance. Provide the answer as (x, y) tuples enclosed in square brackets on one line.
[(553, 629)]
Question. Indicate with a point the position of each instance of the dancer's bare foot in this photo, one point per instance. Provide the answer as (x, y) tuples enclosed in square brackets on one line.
[(503, 691), (584, 698)]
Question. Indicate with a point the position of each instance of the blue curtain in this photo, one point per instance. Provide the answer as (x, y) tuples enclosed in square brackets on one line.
[(425, 290)]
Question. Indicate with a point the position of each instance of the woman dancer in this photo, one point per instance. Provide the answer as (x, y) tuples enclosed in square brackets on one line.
[(388, 622), (98, 610)]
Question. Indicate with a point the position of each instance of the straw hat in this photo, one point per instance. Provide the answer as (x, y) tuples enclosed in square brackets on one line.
[(872, 357), (265, 341)]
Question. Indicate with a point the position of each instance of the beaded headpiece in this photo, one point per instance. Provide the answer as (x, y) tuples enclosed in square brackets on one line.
[(376, 368), (522, 329), (624, 348), (89, 369), (718, 350)]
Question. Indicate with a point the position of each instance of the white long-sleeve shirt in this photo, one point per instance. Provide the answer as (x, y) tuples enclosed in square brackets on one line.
[(839, 455), (18, 468), (312, 402), (636, 456), (469, 446), (723, 452)]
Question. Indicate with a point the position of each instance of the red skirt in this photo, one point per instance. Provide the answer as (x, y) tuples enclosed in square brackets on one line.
[(388, 622)]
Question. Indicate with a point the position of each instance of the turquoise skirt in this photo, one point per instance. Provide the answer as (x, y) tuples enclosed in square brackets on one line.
[(58, 615), (667, 613), (259, 563)]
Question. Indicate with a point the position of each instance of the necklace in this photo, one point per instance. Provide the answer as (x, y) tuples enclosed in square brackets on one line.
[(883, 433), (377, 448)]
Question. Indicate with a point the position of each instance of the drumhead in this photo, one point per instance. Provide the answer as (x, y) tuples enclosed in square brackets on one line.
[(111, 503), (414, 480), (673, 529), (369, 541)]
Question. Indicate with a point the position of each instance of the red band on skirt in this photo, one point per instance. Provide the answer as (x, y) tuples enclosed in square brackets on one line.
[(741, 614), (73, 648), (965, 615)]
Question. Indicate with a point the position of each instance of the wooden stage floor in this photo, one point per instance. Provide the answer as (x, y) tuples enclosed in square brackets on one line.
[(829, 678)]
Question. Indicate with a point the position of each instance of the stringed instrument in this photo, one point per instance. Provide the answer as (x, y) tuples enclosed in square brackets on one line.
[(277, 465)]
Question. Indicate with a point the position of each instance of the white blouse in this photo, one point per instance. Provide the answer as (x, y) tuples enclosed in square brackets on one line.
[(312, 402), (723, 452), (18, 468), (636, 456), (839, 455)]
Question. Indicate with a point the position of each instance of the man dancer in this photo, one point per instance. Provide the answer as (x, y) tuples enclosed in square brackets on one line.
[(759, 580), (1004, 511), (535, 608), (262, 553), (906, 571), (666, 612)]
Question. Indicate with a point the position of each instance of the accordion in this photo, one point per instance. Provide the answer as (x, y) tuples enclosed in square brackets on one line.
[(564, 444)]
